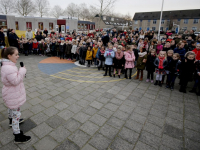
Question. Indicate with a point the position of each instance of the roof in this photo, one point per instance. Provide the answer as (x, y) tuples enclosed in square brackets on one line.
[(116, 21), (85, 22), (177, 14), (3, 17)]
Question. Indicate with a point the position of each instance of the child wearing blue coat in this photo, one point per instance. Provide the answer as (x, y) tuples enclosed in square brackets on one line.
[(109, 55)]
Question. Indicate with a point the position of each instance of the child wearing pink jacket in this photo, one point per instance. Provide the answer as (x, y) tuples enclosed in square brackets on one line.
[(13, 91)]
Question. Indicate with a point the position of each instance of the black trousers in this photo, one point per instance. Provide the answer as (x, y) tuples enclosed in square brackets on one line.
[(89, 62), (130, 71), (108, 67), (62, 55), (150, 75)]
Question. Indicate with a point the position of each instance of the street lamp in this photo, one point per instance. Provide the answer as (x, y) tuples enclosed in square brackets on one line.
[(160, 20)]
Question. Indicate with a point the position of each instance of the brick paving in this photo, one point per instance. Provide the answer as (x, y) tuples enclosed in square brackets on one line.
[(101, 113)]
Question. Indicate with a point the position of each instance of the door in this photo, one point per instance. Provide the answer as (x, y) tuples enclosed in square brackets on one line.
[(147, 28), (167, 29), (63, 28), (140, 29), (176, 30)]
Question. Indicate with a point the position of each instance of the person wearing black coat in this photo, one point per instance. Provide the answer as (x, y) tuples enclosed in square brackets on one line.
[(62, 47), (187, 69), (105, 39), (118, 61), (13, 38), (45, 31), (26, 47), (150, 67), (82, 51), (173, 68), (2, 38), (38, 36)]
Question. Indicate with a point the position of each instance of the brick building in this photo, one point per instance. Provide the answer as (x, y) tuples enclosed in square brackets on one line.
[(186, 19)]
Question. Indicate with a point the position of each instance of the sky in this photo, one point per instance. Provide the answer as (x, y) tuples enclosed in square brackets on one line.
[(132, 6)]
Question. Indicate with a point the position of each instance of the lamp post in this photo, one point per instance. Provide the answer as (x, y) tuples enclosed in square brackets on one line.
[(160, 20)]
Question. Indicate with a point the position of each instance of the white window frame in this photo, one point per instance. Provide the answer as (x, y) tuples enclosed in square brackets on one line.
[(184, 28), (194, 28), (161, 28), (162, 21), (136, 22), (185, 21), (154, 29), (154, 21), (196, 21), (135, 28)]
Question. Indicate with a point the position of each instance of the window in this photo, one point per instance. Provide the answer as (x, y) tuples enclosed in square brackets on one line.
[(29, 25), (178, 20), (3, 24), (154, 21), (196, 21), (50, 26), (112, 19), (136, 21), (79, 26), (104, 17), (149, 20), (161, 28), (16, 25), (194, 28), (40, 25), (185, 21), (153, 28), (135, 28), (162, 21), (184, 28)]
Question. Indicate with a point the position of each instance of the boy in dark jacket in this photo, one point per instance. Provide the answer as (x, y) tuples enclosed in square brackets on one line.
[(150, 67)]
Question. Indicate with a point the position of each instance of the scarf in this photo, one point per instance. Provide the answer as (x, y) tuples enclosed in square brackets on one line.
[(142, 54), (160, 66), (119, 55), (110, 50), (102, 51)]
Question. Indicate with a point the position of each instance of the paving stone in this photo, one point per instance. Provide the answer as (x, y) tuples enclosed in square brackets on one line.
[(83, 103), (150, 139), (141, 111), (6, 137), (175, 123), (156, 120), (45, 97), (57, 98), (142, 146), (39, 118), (48, 103), (37, 108), (129, 135), (27, 125), (81, 117), (103, 100), (153, 129), (2, 117), (60, 134), (42, 130), (50, 111), (46, 143), (75, 108), (33, 94), (67, 145), (65, 114), (130, 103), (26, 114), (192, 145), (90, 110), (96, 105), (10, 146), (193, 135), (116, 101), (117, 123), (111, 106), (35, 101), (121, 115), (100, 142), (88, 147), (126, 109), (108, 131), (89, 127), (97, 119), (105, 113), (120, 144), (80, 138), (55, 121), (175, 115), (72, 125), (61, 106), (173, 132), (25, 106), (172, 142), (25, 146)]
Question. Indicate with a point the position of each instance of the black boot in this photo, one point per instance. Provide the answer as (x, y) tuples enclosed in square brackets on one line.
[(160, 83), (21, 138), (98, 68), (10, 121), (156, 83), (119, 76), (194, 90), (114, 75)]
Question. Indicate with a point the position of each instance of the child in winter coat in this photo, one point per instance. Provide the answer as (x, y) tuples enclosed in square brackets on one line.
[(118, 61), (141, 63), (35, 47), (173, 68), (89, 55), (101, 58), (13, 91), (159, 47), (68, 49), (73, 50), (109, 55), (160, 64), (169, 59), (95, 49), (62, 47), (196, 79), (150, 67), (186, 70), (129, 61), (42, 47), (180, 49)]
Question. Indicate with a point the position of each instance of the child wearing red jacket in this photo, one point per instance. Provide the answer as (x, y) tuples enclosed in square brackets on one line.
[(35, 46)]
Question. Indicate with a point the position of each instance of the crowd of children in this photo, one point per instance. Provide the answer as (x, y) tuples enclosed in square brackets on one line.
[(120, 52)]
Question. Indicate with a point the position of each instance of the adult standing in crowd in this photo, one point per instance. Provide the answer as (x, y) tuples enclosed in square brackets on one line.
[(105, 39), (29, 34), (45, 31), (13, 38), (2, 38)]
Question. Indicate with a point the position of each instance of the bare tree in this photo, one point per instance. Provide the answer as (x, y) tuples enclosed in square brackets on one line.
[(42, 7), (6, 7), (24, 7), (128, 16), (84, 12), (72, 10), (57, 11)]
